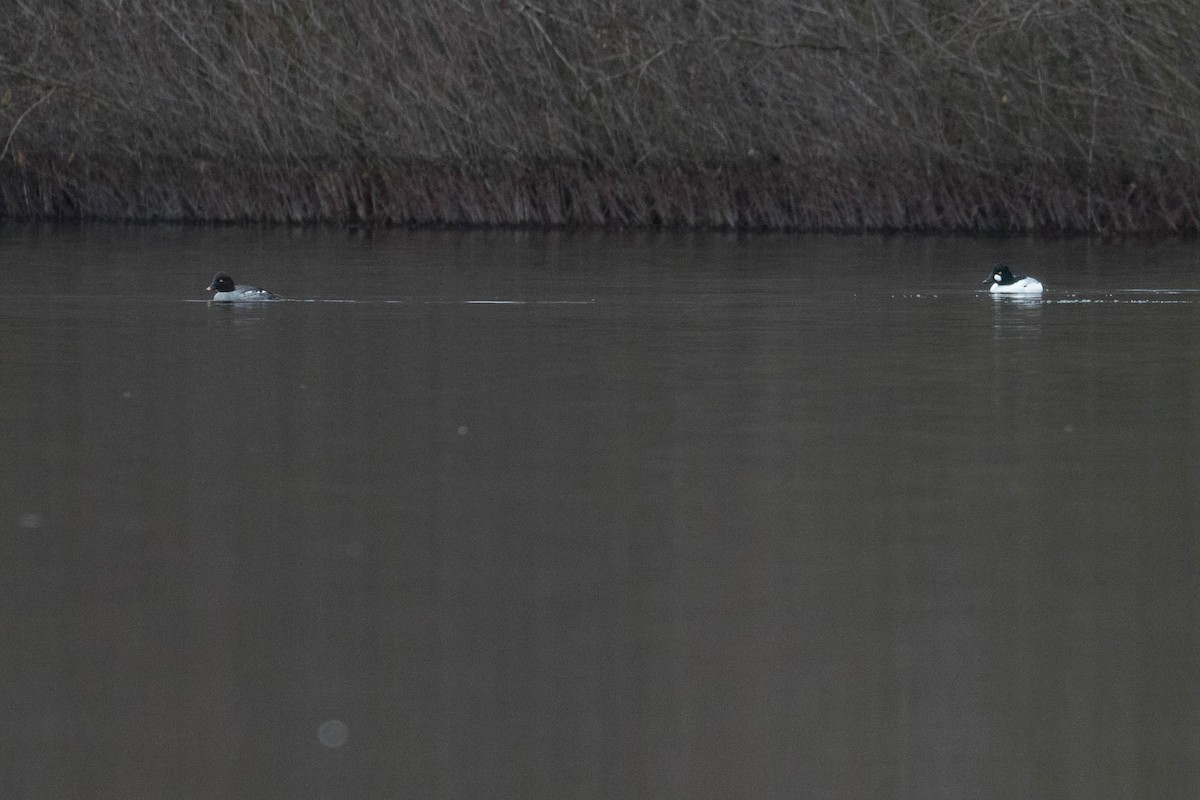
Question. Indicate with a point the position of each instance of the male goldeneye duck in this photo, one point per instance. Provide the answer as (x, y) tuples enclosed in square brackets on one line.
[(229, 292), (1004, 282)]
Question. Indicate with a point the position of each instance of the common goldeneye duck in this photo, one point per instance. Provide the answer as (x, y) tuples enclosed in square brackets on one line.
[(229, 292), (1004, 282)]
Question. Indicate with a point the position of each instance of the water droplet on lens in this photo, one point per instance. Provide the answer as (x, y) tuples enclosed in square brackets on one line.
[(333, 733), (29, 521)]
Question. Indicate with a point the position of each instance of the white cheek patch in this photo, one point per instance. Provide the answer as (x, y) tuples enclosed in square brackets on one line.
[(996, 277)]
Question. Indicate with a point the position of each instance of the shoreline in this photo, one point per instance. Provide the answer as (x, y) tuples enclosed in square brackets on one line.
[(747, 195)]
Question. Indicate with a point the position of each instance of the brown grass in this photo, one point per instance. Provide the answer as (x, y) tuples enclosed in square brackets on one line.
[(1060, 115)]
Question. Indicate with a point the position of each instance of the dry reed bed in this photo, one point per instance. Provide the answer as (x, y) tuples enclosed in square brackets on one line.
[(1073, 115)]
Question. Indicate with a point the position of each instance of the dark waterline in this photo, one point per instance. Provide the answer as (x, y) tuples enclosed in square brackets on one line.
[(684, 516)]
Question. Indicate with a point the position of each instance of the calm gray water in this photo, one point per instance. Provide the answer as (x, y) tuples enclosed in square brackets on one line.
[(681, 516)]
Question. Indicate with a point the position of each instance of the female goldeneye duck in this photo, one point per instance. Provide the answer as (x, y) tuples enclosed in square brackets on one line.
[(229, 292), (1004, 282)]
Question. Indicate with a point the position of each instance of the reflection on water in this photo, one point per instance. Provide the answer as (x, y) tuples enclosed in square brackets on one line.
[(668, 516), (1016, 318)]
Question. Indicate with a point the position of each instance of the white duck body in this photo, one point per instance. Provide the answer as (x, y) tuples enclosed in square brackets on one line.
[(1004, 282), (229, 292)]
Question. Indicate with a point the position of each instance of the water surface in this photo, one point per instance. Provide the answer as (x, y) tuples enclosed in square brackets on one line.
[(513, 514)]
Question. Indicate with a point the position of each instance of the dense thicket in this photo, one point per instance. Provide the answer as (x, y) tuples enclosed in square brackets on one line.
[(985, 115)]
